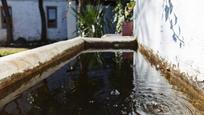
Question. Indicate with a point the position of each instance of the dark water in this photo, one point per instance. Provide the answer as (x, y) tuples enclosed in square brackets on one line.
[(102, 84)]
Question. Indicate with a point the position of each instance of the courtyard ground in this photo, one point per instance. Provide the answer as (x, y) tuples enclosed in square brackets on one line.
[(9, 50)]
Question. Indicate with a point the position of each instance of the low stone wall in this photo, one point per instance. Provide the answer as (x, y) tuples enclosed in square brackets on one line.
[(23, 65)]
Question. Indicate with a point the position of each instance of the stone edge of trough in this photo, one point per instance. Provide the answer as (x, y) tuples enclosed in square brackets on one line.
[(114, 42), (22, 65), (175, 77), (18, 66)]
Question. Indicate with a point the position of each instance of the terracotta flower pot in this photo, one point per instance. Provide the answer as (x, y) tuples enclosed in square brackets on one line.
[(127, 28)]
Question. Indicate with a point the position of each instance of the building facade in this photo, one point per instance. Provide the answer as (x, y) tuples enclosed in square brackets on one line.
[(61, 21)]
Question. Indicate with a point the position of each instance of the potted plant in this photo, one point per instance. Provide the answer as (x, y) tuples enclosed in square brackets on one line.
[(123, 17), (127, 25)]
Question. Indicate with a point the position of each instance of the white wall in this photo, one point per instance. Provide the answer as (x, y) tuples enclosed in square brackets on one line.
[(175, 30), (27, 23), (2, 35), (71, 20), (26, 19)]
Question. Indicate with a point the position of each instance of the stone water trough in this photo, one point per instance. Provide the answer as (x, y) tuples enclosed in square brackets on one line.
[(18, 68)]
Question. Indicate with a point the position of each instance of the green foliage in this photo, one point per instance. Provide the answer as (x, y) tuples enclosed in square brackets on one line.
[(119, 15), (129, 10), (90, 21), (123, 13)]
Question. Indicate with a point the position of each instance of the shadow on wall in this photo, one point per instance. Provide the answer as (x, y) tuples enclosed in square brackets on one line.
[(109, 26), (170, 17)]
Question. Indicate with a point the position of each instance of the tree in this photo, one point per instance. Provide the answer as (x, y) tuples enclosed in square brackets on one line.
[(43, 22), (80, 4), (8, 18)]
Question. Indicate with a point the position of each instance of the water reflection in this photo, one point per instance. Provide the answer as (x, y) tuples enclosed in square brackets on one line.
[(102, 84), (154, 95)]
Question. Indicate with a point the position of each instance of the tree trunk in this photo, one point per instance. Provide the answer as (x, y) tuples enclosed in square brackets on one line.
[(9, 25), (79, 6), (43, 22), (81, 3)]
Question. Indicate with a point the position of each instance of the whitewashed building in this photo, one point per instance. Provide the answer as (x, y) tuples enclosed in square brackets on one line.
[(61, 22), (174, 30)]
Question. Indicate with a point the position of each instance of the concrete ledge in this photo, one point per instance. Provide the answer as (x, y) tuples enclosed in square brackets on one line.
[(111, 42), (28, 60)]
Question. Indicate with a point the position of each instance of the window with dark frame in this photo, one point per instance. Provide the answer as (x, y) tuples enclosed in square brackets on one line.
[(52, 17), (3, 17)]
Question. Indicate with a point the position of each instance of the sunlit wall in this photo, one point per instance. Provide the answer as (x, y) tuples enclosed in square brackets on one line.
[(175, 30)]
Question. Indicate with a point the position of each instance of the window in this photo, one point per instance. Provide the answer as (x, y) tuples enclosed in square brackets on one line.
[(3, 17), (52, 17)]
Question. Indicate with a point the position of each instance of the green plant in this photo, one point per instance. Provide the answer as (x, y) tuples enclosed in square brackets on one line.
[(129, 10), (119, 15), (90, 21), (123, 13)]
